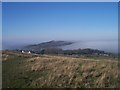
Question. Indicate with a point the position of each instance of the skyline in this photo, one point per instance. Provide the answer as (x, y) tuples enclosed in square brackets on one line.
[(37, 22)]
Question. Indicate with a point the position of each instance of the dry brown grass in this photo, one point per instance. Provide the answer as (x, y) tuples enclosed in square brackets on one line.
[(64, 71), (60, 71)]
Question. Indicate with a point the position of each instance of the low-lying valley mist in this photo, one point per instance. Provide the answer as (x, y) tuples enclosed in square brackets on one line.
[(105, 45)]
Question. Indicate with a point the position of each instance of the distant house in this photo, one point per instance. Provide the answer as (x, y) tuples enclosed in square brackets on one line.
[(105, 54), (23, 51), (29, 52), (95, 53)]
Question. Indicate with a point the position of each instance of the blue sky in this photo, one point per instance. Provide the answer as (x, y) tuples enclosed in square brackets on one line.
[(37, 22)]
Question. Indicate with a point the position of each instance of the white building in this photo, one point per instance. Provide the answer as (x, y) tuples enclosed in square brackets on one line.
[(23, 52), (29, 52)]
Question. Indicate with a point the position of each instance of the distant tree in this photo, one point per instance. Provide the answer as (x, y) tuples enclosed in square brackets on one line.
[(43, 51)]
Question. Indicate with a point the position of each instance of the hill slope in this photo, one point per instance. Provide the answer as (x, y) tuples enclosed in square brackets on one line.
[(50, 44), (35, 71)]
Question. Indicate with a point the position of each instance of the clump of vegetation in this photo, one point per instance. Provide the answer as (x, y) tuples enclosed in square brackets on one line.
[(39, 71)]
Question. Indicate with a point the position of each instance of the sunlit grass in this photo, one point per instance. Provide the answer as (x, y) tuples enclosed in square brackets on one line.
[(58, 71)]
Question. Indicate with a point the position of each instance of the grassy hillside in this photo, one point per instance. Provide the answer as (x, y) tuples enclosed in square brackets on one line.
[(36, 71)]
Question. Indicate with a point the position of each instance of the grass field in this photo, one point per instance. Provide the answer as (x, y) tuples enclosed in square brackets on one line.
[(38, 71)]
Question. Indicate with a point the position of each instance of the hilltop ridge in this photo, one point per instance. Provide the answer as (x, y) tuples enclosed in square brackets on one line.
[(44, 45)]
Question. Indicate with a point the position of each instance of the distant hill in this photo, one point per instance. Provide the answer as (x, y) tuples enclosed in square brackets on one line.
[(47, 45), (53, 47)]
